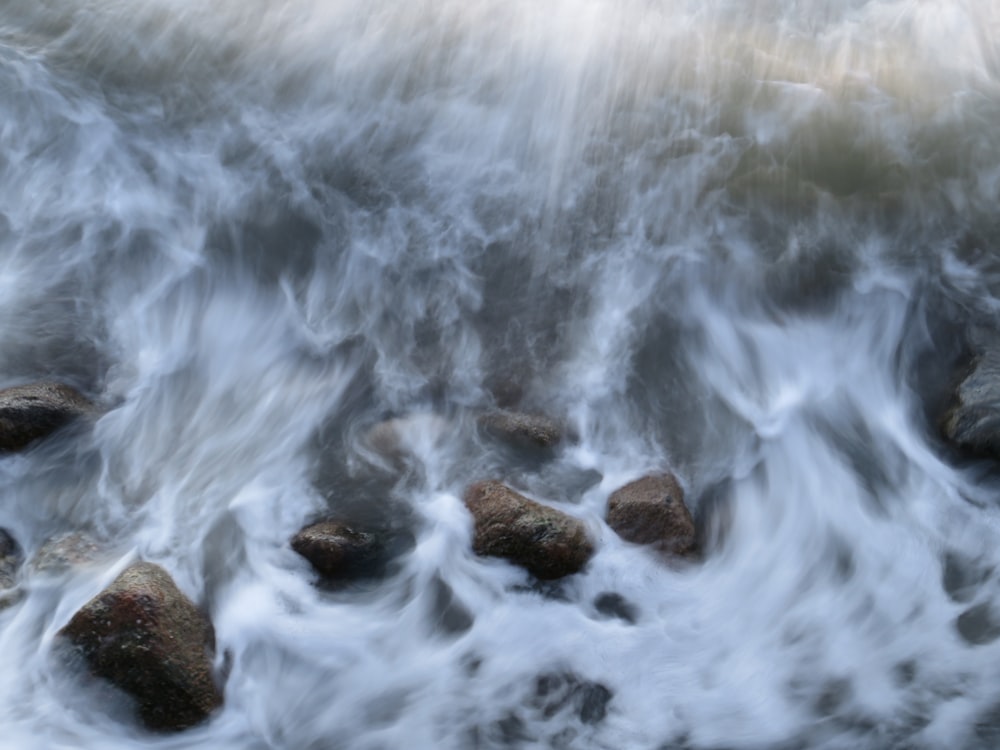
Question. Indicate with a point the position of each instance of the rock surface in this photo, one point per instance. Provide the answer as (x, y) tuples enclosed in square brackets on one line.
[(31, 412), (973, 421), (146, 638), (337, 551), (548, 543), (651, 511), (521, 430), (65, 551), (10, 559)]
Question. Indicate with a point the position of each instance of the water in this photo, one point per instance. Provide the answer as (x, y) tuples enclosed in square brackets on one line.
[(742, 240)]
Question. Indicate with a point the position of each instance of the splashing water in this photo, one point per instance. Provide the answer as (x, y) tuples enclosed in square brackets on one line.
[(738, 239)]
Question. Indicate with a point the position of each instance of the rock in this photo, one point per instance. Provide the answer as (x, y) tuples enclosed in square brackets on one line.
[(31, 412), (973, 420), (65, 551), (651, 511), (523, 431), (337, 551), (10, 559), (545, 541), (146, 638), (395, 439)]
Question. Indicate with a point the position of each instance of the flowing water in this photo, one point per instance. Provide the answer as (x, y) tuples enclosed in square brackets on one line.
[(743, 239)]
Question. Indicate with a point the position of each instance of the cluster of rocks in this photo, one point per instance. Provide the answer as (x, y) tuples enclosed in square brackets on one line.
[(144, 636)]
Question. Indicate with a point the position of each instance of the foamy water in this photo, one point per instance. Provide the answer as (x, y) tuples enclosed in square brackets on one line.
[(740, 240)]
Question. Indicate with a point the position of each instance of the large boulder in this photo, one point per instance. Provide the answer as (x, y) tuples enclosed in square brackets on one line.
[(337, 551), (31, 412), (651, 510), (521, 431), (548, 543), (973, 420), (146, 638)]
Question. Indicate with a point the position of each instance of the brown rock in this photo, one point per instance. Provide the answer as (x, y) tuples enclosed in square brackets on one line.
[(145, 637), (651, 511), (545, 541), (337, 551), (31, 412), (521, 430)]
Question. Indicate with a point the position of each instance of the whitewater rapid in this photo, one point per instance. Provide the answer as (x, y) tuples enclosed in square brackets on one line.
[(746, 241)]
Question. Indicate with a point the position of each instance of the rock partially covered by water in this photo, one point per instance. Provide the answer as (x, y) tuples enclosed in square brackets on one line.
[(10, 562), (31, 412), (651, 510), (66, 551), (146, 638), (973, 421), (522, 431), (338, 552), (548, 543)]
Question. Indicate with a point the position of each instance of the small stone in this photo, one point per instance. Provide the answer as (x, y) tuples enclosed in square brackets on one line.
[(519, 430), (546, 542), (65, 551), (10, 559), (651, 511), (31, 412), (337, 551), (145, 637)]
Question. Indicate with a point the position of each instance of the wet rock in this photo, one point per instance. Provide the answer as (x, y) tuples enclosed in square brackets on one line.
[(651, 510), (10, 559), (65, 551), (613, 605), (395, 439), (10, 562), (979, 625), (31, 412), (557, 692), (973, 420), (338, 552), (145, 637), (521, 431), (543, 540)]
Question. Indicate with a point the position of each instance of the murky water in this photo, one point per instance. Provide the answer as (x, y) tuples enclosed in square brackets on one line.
[(744, 240)]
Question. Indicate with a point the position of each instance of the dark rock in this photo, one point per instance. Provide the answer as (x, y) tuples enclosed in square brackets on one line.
[(556, 692), (545, 541), (651, 511), (523, 431), (146, 638), (31, 412), (65, 551), (979, 625), (10, 559), (338, 552), (615, 605), (973, 420)]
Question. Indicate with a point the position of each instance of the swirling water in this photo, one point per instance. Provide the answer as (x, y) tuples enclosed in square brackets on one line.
[(743, 240)]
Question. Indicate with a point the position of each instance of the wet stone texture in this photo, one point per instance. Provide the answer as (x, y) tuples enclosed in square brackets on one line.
[(651, 511), (66, 551), (31, 412), (337, 552), (973, 420), (146, 638), (10, 559), (521, 431), (546, 542)]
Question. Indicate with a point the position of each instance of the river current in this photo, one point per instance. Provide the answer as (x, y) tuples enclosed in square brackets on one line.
[(745, 240)]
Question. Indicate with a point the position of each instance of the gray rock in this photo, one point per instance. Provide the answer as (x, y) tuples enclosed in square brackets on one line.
[(65, 551), (973, 420), (144, 636), (32, 412), (651, 510), (546, 542), (524, 431)]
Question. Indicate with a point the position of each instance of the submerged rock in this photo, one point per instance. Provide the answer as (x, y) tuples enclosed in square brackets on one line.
[(146, 638), (31, 412), (395, 439), (337, 551), (651, 510), (548, 543), (523, 431), (65, 551), (973, 420)]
